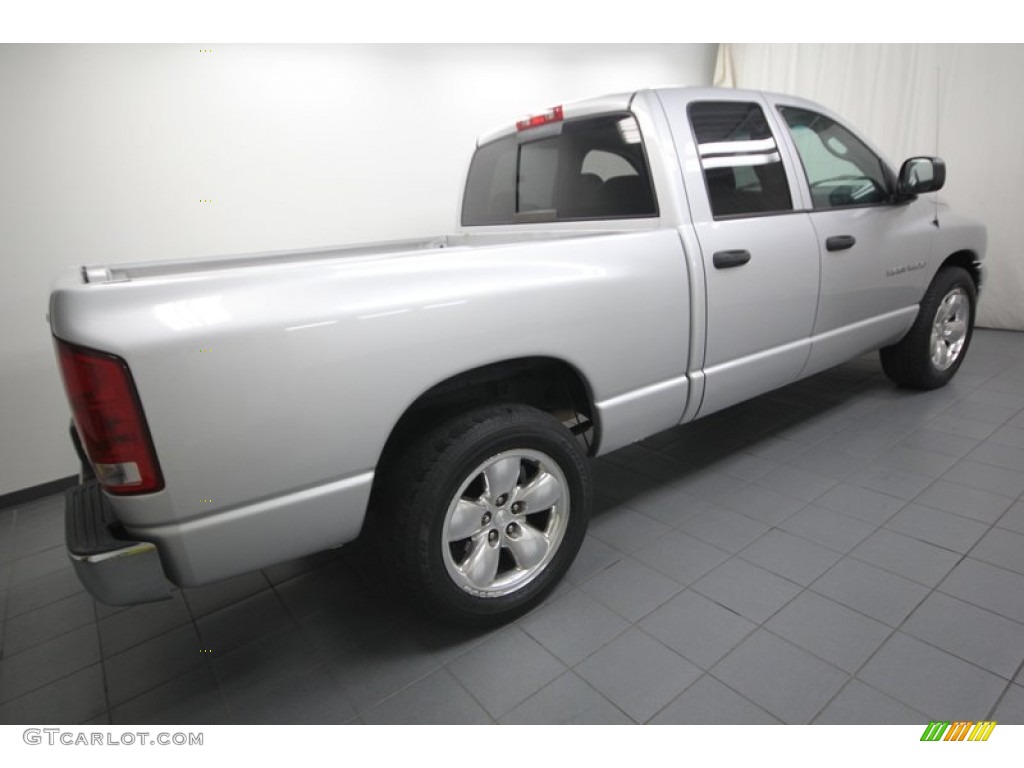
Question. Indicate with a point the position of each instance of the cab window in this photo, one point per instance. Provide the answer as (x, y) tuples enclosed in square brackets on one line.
[(841, 171), (743, 171), (594, 168)]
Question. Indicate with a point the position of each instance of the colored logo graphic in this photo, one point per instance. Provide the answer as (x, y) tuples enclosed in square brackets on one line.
[(958, 731)]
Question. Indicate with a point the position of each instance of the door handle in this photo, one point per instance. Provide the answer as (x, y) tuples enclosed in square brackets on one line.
[(840, 242), (729, 259)]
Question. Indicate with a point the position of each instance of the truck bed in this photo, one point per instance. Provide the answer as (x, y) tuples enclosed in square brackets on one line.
[(147, 270), (178, 267)]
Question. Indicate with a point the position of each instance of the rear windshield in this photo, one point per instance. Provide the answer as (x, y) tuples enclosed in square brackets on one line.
[(595, 168)]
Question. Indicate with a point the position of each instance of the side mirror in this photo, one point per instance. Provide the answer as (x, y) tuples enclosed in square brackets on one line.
[(919, 175)]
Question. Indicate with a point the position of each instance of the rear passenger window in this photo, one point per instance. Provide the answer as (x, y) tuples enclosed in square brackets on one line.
[(743, 170), (593, 168)]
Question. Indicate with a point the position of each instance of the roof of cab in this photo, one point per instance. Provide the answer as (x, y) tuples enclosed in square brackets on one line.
[(616, 102)]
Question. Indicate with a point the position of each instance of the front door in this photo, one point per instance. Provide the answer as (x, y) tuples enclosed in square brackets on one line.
[(873, 251)]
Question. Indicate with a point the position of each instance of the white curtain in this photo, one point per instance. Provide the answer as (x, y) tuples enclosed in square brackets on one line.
[(962, 102)]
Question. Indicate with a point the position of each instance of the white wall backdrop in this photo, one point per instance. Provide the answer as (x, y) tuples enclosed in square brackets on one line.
[(107, 151), (899, 96)]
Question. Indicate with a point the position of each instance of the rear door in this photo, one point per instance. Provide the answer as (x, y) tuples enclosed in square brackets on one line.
[(759, 251)]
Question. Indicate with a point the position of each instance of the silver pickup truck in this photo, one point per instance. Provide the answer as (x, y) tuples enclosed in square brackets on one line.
[(622, 265)]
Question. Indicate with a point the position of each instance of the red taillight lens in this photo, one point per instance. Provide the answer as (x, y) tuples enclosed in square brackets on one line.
[(553, 115), (109, 419)]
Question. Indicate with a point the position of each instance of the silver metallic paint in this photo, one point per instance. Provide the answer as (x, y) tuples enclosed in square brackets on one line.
[(270, 382)]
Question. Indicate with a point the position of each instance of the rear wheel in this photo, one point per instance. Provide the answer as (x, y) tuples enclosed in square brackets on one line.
[(485, 513), (934, 348)]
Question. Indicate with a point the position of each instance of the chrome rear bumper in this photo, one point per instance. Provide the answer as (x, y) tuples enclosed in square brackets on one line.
[(114, 569)]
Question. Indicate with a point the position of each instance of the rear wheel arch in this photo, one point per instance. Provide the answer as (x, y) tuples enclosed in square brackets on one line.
[(478, 516), (546, 383)]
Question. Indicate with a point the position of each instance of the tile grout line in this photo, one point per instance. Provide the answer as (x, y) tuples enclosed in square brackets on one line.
[(707, 671), (109, 711), (228, 710), (154, 687), (9, 565), (474, 699), (893, 630), (899, 628), (1006, 690)]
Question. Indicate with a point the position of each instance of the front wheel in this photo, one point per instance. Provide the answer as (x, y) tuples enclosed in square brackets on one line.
[(485, 513), (935, 346)]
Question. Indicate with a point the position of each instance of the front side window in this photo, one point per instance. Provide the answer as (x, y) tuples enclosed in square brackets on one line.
[(742, 167), (841, 170), (595, 168)]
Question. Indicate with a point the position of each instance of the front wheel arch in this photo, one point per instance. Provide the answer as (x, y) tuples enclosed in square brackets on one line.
[(968, 261), (931, 352)]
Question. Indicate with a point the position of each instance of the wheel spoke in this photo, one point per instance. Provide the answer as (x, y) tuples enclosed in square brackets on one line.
[(501, 478), (543, 492), (482, 564), (956, 305), (466, 519), (529, 547), (941, 354)]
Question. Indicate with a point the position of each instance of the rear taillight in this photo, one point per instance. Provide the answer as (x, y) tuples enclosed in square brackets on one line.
[(109, 419)]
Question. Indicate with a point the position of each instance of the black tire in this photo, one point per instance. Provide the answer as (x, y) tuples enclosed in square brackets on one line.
[(910, 362), (423, 496)]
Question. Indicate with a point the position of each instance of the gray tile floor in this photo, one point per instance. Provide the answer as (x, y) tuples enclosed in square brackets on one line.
[(839, 551)]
